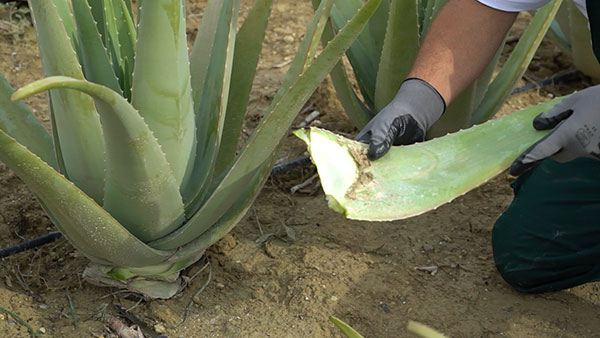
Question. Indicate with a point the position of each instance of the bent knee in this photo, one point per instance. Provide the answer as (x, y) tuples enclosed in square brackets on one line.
[(521, 280), (530, 270)]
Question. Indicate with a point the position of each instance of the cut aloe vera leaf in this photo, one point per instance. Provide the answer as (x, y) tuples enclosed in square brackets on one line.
[(411, 180)]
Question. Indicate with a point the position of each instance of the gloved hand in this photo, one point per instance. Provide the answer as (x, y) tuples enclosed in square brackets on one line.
[(576, 123), (405, 120)]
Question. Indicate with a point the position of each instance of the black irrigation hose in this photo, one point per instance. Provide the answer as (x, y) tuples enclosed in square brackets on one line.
[(279, 168), (34, 243), (565, 77)]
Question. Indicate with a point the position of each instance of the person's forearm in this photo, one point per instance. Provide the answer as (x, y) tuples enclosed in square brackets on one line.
[(460, 43)]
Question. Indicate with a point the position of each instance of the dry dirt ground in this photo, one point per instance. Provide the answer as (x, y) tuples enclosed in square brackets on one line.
[(320, 264)]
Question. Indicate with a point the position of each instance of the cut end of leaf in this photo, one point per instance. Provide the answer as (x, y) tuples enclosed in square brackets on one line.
[(337, 167)]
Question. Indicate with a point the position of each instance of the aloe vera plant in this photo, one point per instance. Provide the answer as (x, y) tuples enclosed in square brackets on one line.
[(411, 180), (140, 172), (385, 51), (571, 33)]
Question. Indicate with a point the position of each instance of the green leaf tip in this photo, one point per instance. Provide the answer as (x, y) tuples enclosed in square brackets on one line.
[(423, 331), (39, 86), (346, 329)]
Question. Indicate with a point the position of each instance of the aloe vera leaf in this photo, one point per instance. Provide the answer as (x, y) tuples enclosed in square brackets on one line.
[(377, 27), (64, 11), (431, 10), (136, 166), (517, 63), (77, 246), (423, 331), (356, 110), (400, 49), (76, 126), (18, 122), (83, 222), (246, 54), (559, 37), (127, 4), (358, 113), (362, 64), (560, 29), (303, 57), (155, 281), (97, 66), (200, 55), (346, 329), (581, 41), (235, 212), (411, 180), (425, 8), (215, 207), (362, 54), (161, 82), (127, 42), (98, 13), (151, 288), (212, 105), (128, 25), (166, 270), (120, 40), (347, 9), (111, 37), (269, 132), (574, 25)]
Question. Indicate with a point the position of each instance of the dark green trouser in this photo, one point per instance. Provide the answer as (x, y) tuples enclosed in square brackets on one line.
[(549, 238)]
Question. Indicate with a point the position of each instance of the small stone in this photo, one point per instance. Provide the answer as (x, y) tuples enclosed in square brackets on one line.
[(220, 285), (42, 330), (334, 298), (427, 247), (288, 39), (159, 328), (331, 245)]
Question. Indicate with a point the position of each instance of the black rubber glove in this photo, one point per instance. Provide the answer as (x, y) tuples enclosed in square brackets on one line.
[(405, 120), (576, 123)]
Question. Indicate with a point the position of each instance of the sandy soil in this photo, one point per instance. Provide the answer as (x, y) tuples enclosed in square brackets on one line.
[(319, 264)]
